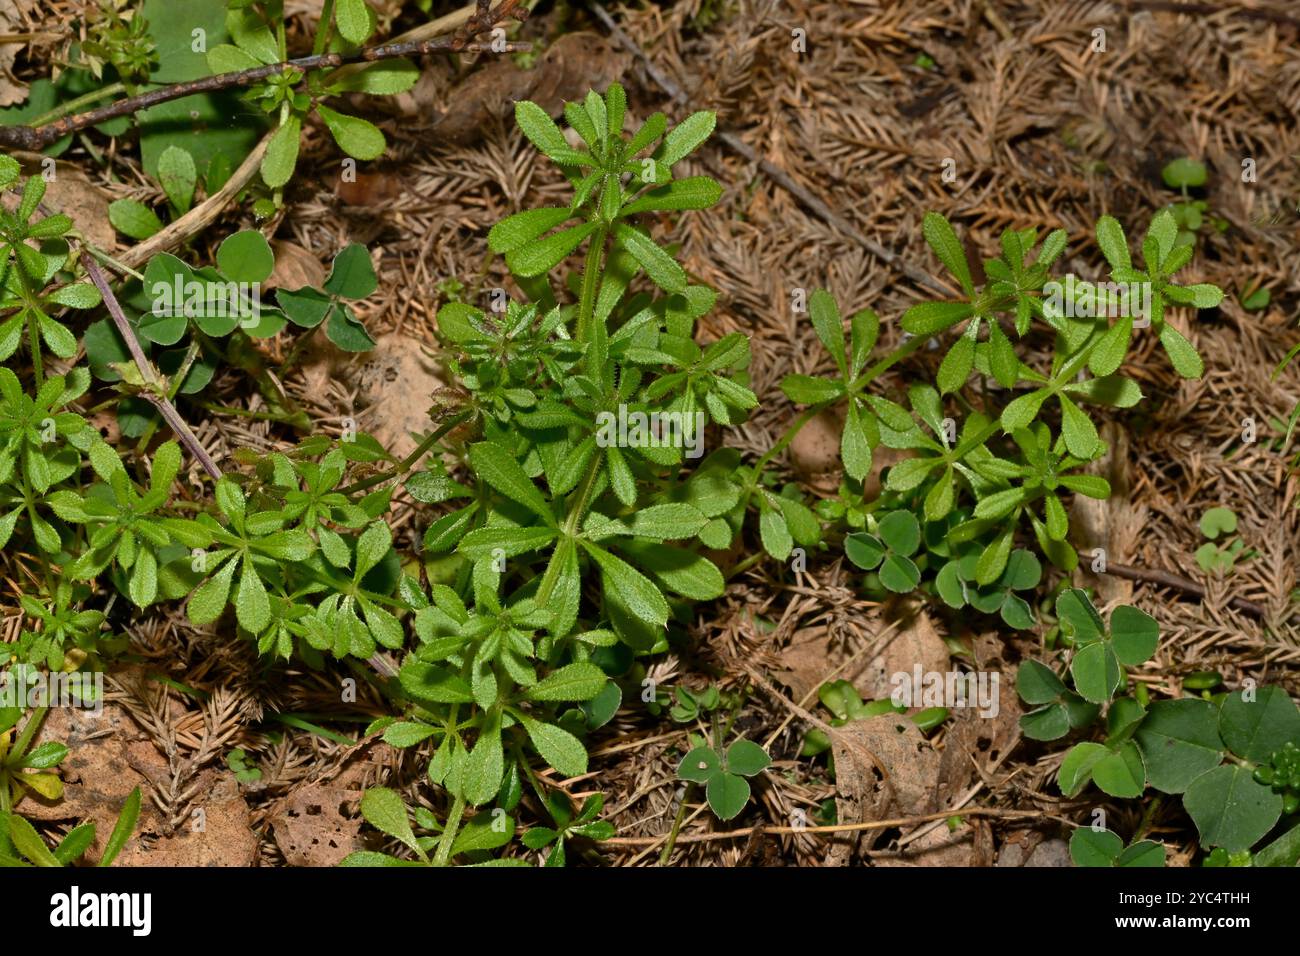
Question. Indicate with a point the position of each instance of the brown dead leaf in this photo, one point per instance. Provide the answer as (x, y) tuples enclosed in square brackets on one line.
[(1028, 848), (109, 757), (368, 189), (806, 661), (937, 847), (97, 777), (12, 90), (69, 191), (216, 834), (882, 457), (313, 827), (973, 741), (815, 449), (396, 386), (295, 267), (572, 65), (862, 794), (915, 643)]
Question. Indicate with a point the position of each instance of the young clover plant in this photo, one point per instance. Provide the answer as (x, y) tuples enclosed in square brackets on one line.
[(290, 97), (723, 774), (1104, 848), (1217, 753), (956, 584), (190, 320), (897, 537), (1212, 557)]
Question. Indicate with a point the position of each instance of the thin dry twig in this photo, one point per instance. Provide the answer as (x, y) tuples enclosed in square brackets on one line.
[(153, 391), (1000, 812), (1169, 579)]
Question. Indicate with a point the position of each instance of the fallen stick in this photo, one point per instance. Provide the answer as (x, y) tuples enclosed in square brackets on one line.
[(832, 828), (153, 391), (1178, 582)]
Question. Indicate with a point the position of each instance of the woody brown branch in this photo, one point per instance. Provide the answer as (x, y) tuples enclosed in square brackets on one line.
[(152, 392), (37, 138)]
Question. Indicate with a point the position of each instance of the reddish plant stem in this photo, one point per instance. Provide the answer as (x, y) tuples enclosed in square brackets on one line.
[(153, 391)]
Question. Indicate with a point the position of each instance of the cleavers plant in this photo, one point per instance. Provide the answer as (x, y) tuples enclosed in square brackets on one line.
[(574, 525)]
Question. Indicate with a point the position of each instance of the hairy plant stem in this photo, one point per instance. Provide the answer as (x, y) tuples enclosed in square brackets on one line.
[(34, 343), (108, 260), (666, 854), (590, 280), (411, 460), (572, 520), (173, 388), (449, 832), (323, 28), (71, 106)]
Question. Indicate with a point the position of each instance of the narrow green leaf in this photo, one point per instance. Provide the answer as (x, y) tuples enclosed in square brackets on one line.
[(123, 829), (943, 240), (499, 469), (662, 269)]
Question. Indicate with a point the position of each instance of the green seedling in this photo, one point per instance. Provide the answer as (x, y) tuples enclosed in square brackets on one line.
[(897, 537), (1183, 174), (843, 701), (1254, 296), (567, 826), (723, 774), (1216, 524), (21, 845), (245, 770), (1282, 773), (1089, 847), (689, 707)]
